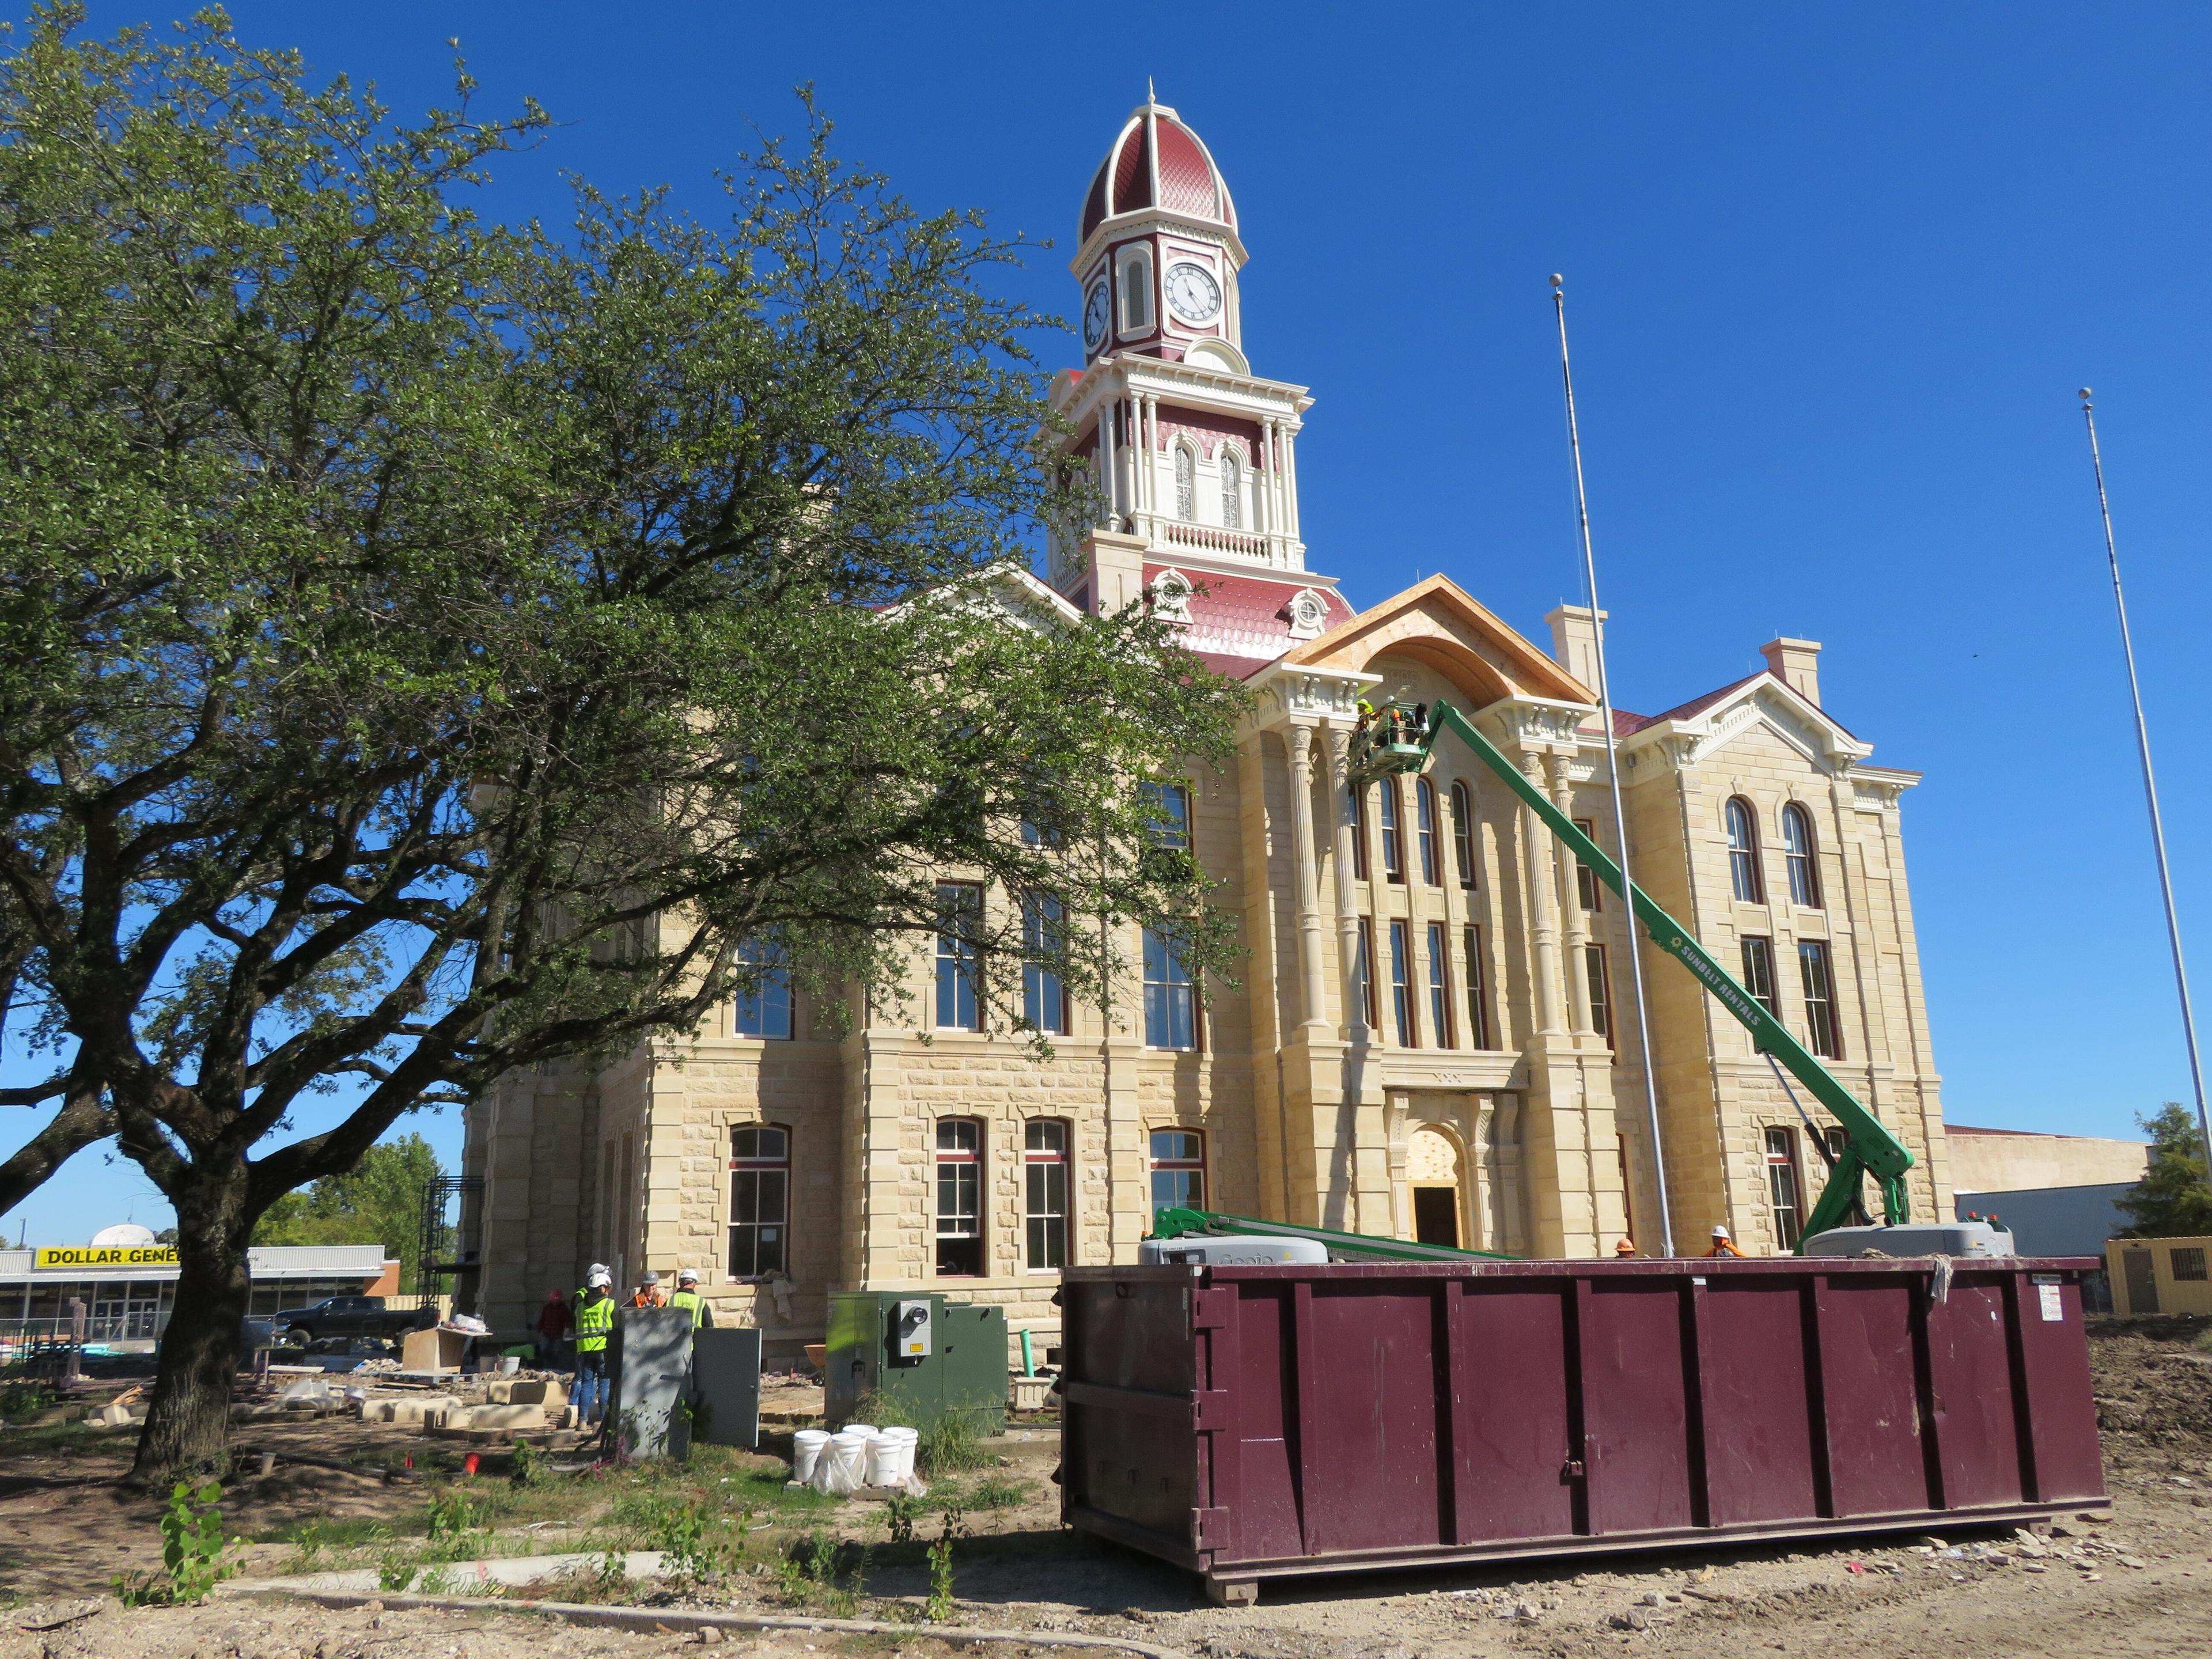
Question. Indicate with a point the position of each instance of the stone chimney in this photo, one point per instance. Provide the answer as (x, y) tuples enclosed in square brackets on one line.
[(1796, 664), (1574, 641)]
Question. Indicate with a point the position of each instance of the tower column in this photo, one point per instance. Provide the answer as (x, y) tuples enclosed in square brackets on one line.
[(1303, 862)]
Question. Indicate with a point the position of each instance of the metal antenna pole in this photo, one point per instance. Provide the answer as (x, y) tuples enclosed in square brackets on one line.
[(1612, 778), (2150, 784)]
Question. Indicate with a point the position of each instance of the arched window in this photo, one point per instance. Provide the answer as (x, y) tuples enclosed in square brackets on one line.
[(1462, 811), (1425, 818), (1185, 469), (1232, 492), (1797, 856), (1743, 852), (1136, 293)]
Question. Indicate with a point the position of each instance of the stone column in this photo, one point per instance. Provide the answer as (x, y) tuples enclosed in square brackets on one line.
[(1543, 904), (1348, 903), (1303, 863), (1570, 903)]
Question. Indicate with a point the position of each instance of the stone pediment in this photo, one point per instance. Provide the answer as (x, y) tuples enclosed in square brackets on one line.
[(1704, 729), (1439, 624)]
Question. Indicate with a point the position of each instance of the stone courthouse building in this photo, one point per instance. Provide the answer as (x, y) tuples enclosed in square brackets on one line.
[(1430, 1038)]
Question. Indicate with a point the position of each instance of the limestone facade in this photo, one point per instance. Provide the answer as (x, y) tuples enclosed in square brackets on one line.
[(1478, 1080)]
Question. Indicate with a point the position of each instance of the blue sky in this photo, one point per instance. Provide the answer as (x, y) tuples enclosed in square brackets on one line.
[(1834, 273)]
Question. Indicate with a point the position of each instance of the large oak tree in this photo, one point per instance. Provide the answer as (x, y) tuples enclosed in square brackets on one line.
[(429, 648)]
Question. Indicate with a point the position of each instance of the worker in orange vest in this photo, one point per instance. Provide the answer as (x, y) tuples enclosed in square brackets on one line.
[(1722, 1245), (648, 1293)]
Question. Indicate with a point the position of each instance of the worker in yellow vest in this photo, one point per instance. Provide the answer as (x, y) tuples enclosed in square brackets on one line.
[(687, 1296), (595, 1321)]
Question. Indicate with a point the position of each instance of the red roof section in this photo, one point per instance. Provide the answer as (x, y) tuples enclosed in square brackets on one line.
[(1239, 625), (1188, 180), (1186, 177)]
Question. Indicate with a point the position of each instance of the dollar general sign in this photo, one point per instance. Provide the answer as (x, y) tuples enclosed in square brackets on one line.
[(130, 1255)]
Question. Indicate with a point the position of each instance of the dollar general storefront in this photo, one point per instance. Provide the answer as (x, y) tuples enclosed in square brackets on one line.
[(128, 1289)]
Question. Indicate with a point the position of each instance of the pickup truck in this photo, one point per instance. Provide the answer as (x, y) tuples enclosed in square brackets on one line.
[(346, 1316)]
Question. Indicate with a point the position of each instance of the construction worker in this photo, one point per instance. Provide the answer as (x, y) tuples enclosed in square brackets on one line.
[(1625, 1249), (595, 1319), (1722, 1245), (687, 1296), (648, 1293)]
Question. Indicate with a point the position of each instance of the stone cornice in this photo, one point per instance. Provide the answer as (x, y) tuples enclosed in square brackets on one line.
[(1283, 692), (1799, 722)]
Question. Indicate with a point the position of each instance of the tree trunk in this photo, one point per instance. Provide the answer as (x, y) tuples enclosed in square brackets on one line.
[(188, 1420)]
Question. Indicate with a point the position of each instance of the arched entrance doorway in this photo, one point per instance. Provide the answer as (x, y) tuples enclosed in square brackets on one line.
[(1432, 1172)]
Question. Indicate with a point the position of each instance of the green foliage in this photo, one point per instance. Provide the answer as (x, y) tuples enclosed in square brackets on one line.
[(192, 1547), (525, 1468), (818, 1571), (395, 1570), (949, 1446), (996, 1494), (2172, 1200), (901, 1511), (937, 1608), (452, 1514), (378, 1201)]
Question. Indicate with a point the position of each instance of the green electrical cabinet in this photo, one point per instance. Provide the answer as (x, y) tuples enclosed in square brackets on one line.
[(873, 1376)]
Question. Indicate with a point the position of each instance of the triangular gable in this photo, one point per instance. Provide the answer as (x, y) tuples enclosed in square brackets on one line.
[(1014, 592), (1438, 622), (1719, 718)]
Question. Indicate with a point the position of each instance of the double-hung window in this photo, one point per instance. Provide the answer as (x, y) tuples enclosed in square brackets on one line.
[(1600, 992), (1358, 807), (1044, 995), (1178, 1169), (1394, 842), (1743, 852), (1426, 826), (1797, 856), (959, 1198), (1440, 1002), (1463, 814), (960, 912), (1586, 882), (764, 1010), (1170, 999), (1044, 1176), (1401, 984), (1364, 973), (1478, 997), (760, 1200), (1782, 1187), (1821, 1028), (1758, 972)]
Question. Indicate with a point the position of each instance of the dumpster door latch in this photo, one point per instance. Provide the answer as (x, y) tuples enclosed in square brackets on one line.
[(1572, 1469), (1209, 1529), (1209, 1410), (1210, 1310)]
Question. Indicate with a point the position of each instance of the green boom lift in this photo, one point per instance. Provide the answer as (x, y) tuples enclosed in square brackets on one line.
[(1399, 739)]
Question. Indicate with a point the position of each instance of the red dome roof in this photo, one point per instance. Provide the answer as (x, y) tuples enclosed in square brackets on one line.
[(1156, 161)]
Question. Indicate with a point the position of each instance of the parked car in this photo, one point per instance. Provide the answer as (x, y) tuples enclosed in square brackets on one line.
[(346, 1316)]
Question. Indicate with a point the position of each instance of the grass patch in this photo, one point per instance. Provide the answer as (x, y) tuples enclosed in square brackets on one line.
[(997, 1494)]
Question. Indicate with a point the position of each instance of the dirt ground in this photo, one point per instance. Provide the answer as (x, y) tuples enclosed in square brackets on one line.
[(2137, 1583)]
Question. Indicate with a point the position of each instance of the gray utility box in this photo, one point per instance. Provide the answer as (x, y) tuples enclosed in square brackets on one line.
[(649, 1359), (726, 1371), (900, 1358)]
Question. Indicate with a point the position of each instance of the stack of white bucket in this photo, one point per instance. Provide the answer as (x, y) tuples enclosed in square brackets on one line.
[(860, 1454)]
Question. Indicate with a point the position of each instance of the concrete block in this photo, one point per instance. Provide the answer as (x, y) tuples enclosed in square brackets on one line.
[(504, 1417), (415, 1412)]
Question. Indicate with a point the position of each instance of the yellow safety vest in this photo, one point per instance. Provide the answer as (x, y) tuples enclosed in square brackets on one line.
[(594, 1319), (694, 1302)]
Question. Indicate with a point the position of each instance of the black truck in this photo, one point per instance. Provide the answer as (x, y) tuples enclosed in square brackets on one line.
[(346, 1316)]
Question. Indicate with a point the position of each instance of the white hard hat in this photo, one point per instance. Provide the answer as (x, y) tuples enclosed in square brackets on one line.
[(687, 1275), (1720, 1232), (598, 1279)]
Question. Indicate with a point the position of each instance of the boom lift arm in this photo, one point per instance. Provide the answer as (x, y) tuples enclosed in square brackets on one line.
[(1189, 1224), (1397, 738)]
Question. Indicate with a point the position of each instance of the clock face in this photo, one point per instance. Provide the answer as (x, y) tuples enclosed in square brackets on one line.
[(1193, 293), (1094, 317)]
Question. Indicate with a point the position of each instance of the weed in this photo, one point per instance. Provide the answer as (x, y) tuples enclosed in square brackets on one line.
[(451, 1514), (191, 1550), (949, 1445), (614, 1573), (439, 1580), (395, 1570), (938, 1608), (901, 1511), (997, 1494), (812, 1568), (525, 1468), (306, 1548)]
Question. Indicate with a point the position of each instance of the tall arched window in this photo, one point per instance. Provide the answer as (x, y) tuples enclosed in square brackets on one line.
[(1185, 469), (1232, 492), (1797, 855), (1136, 292), (1743, 852), (1462, 811), (1424, 819)]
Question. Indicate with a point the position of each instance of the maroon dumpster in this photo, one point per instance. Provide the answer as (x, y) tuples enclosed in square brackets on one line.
[(1248, 1423)]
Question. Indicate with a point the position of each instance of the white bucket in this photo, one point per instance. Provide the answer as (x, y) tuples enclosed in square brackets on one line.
[(859, 1428), (842, 1467), (806, 1452), (890, 1457), (509, 1363)]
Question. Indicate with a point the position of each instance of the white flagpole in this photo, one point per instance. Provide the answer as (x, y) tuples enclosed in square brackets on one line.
[(2150, 783), (1613, 777)]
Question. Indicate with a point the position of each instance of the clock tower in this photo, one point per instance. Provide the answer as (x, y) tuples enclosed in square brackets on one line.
[(1193, 455)]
